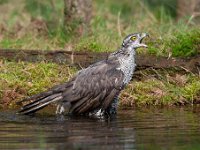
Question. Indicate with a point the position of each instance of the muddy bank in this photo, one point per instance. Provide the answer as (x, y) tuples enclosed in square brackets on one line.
[(83, 59)]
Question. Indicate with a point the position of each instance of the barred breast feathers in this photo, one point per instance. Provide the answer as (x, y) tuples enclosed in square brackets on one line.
[(127, 64)]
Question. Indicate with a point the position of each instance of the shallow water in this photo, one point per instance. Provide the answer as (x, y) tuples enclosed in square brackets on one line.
[(148, 129)]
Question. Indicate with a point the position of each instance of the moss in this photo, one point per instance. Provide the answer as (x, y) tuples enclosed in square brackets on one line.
[(18, 80), (22, 79), (173, 89), (185, 43)]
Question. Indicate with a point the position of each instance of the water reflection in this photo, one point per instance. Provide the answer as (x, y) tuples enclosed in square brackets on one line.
[(138, 129)]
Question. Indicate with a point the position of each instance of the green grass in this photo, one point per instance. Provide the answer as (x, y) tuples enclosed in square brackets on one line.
[(172, 89), (112, 20), (22, 79), (186, 43), (181, 43)]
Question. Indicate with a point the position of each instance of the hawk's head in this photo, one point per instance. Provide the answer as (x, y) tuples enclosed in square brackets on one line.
[(134, 40)]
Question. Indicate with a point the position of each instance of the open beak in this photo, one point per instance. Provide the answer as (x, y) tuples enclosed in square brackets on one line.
[(143, 35)]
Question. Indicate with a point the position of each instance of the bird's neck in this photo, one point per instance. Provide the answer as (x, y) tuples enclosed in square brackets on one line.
[(123, 52), (126, 59)]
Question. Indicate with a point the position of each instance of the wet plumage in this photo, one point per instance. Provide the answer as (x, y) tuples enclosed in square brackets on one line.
[(92, 89)]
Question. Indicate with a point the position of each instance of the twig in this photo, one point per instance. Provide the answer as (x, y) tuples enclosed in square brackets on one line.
[(194, 15), (72, 57), (186, 70), (118, 24), (159, 76)]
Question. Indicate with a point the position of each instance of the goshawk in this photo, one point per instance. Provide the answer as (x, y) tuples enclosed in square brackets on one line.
[(93, 89)]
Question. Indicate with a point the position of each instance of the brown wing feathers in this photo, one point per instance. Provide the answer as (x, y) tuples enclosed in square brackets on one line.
[(93, 87)]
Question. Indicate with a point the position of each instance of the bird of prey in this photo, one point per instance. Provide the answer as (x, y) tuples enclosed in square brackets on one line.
[(95, 89)]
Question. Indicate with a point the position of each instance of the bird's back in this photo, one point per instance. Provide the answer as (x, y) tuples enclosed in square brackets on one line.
[(95, 86)]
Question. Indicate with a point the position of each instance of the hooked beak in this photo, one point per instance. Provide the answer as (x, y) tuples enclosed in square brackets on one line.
[(142, 36)]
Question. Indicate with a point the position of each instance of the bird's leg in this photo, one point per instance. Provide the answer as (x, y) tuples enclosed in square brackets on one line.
[(112, 109), (63, 108), (99, 113)]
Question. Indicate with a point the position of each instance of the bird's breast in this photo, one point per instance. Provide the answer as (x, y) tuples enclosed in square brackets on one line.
[(127, 66)]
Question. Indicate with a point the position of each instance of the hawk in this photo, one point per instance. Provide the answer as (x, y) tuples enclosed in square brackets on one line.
[(95, 89)]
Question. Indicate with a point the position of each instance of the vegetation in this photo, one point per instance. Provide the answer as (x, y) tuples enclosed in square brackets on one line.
[(34, 24), (21, 79), (163, 88), (39, 25)]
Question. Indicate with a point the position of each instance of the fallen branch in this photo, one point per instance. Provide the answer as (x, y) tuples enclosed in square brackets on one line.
[(83, 59)]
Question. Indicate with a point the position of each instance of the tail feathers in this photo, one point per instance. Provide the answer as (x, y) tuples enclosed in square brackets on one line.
[(55, 89), (40, 103), (36, 96)]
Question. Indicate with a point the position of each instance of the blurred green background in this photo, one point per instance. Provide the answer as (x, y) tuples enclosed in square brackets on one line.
[(36, 24)]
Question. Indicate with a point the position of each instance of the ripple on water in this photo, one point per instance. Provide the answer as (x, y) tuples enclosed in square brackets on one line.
[(139, 129)]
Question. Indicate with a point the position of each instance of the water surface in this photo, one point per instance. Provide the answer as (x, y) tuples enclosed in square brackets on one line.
[(148, 129)]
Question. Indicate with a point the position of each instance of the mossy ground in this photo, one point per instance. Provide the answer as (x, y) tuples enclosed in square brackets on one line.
[(159, 88), (162, 88), (22, 79)]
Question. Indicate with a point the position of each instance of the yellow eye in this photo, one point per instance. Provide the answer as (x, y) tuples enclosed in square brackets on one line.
[(133, 38)]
